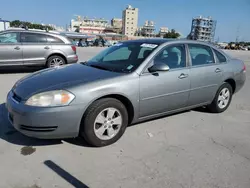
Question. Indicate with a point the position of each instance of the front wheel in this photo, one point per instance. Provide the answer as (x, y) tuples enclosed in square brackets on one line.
[(104, 122), (222, 99)]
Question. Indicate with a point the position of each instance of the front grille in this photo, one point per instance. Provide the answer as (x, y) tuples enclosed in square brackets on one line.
[(38, 129), (16, 97)]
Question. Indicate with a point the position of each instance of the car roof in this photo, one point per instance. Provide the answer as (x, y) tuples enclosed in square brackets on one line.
[(160, 41), (166, 40), (31, 30)]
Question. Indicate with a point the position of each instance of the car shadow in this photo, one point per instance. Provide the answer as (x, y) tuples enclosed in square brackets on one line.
[(201, 110), (17, 69), (160, 117), (11, 135)]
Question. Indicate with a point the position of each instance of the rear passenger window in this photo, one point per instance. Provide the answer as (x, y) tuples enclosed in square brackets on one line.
[(221, 58), (52, 39), (201, 54), (33, 38)]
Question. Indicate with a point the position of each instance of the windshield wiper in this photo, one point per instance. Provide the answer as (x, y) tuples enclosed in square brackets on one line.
[(84, 63), (100, 67)]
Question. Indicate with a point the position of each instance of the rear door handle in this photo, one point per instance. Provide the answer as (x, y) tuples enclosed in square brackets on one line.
[(217, 70), (46, 48), (17, 48), (183, 76)]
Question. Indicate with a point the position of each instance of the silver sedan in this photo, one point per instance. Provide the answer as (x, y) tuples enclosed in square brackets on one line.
[(127, 83)]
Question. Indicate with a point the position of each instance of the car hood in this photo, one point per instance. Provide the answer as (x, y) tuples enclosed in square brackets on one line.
[(58, 78)]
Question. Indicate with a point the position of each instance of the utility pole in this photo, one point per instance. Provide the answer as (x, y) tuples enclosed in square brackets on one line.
[(237, 35)]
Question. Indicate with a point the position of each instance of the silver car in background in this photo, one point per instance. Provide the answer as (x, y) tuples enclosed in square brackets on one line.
[(24, 47), (127, 83)]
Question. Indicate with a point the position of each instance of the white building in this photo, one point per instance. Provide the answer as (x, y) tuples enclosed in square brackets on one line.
[(4, 24), (130, 21), (89, 25)]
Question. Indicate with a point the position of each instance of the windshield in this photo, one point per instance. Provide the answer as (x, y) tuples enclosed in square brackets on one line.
[(122, 57)]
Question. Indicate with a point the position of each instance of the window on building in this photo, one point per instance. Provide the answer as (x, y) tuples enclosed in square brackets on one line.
[(127, 22), (132, 23)]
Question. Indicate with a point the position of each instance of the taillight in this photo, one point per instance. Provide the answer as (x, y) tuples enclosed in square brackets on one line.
[(244, 68), (73, 48)]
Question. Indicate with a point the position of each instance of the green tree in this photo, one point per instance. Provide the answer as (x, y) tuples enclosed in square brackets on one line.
[(15, 23), (18, 23), (172, 34)]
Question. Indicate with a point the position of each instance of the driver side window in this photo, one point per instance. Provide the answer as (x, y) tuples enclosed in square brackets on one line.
[(174, 56)]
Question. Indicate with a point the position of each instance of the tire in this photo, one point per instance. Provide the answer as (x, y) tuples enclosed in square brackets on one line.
[(55, 61), (93, 132), (215, 106)]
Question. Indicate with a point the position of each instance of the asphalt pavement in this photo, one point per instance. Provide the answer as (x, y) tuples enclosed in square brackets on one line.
[(193, 149)]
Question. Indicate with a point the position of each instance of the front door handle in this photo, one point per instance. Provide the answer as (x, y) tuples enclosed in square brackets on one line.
[(217, 70), (46, 48), (183, 76), (17, 48)]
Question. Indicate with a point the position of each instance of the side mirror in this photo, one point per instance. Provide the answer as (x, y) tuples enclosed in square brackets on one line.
[(158, 67)]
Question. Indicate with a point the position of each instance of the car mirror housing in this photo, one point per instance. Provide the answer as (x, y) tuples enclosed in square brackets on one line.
[(158, 67)]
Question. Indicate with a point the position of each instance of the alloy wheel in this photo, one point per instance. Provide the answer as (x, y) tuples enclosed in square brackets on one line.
[(107, 123)]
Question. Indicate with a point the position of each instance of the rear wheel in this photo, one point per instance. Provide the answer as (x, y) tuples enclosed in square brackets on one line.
[(55, 61), (104, 122), (222, 99)]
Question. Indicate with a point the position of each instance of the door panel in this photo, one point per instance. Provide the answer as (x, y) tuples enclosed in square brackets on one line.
[(205, 74), (35, 48), (164, 91), (204, 83), (10, 49)]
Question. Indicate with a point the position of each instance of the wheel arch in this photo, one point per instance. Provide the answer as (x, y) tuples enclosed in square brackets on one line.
[(57, 54), (232, 83), (123, 99)]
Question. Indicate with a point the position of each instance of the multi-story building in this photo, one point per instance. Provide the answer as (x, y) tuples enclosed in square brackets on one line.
[(116, 24), (89, 25), (4, 24), (129, 21), (147, 30), (203, 29), (163, 31)]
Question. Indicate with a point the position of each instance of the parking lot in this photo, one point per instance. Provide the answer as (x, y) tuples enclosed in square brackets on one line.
[(194, 149)]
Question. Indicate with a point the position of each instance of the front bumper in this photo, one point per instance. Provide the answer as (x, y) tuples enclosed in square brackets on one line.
[(45, 123)]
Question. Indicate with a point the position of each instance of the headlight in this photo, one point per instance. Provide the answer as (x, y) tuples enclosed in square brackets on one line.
[(51, 99)]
